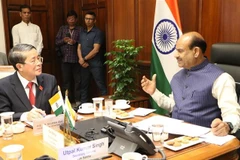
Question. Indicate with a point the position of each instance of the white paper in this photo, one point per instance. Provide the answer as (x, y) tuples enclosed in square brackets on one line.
[(142, 111), (187, 129), (166, 121), (173, 126), (218, 140)]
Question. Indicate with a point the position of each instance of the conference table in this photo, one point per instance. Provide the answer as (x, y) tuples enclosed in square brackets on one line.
[(35, 147)]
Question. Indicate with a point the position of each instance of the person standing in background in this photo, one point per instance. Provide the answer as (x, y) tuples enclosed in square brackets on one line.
[(27, 32), (66, 41), (90, 58)]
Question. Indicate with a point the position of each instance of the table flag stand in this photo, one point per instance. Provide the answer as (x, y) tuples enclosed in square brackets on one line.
[(68, 139)]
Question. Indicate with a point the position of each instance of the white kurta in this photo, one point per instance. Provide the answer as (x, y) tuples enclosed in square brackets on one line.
[(28, 34)]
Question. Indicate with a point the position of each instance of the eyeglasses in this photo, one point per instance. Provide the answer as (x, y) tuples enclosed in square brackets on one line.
[(90, 19), (34, 61)]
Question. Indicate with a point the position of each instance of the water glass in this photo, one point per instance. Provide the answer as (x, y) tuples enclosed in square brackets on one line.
[(157, 135), (6, 122), (108, 106), (98, 106)]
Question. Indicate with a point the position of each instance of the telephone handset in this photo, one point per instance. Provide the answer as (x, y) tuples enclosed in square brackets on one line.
[(129, 139), (145, 143)]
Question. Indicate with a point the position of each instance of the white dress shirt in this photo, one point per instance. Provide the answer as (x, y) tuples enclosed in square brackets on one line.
[(28, 34), (223, 90), (25, 83)]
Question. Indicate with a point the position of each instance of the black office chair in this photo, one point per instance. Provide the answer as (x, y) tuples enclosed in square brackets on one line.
[(227, 57)]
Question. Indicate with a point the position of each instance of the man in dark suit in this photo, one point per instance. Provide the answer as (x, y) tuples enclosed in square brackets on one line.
[(14, 89)]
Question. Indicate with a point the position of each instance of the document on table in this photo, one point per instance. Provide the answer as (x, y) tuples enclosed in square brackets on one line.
[(166, 121), (188, 129), (173, 126), (142, 111)]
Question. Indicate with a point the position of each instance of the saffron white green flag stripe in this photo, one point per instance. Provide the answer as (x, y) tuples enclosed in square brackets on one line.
[(68, 111), (57, 103), (166, 31)]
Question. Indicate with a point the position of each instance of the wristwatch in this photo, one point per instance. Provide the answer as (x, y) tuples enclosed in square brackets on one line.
[(230, 126)]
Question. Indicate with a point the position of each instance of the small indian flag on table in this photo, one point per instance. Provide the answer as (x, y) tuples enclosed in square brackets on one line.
[(57, 103)]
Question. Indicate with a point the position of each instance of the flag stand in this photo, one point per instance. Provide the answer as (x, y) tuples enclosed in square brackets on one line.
[(68, 139)]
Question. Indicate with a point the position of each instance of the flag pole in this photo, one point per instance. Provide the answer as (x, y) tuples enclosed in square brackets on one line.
[(68, 139)]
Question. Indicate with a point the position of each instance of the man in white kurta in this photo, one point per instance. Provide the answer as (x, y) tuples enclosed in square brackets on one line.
[(27, 32)]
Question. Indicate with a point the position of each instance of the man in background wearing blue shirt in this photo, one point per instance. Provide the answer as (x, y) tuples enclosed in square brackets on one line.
[(90, 42)]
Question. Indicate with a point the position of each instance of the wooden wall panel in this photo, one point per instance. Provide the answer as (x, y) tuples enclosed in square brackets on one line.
[(101, 2), (58, 19), (38, 4), (41, 19), (230, 24), (124, 16), (145, 16), (14, 18), (88, 3), (211, 13), (11, 3), (189, 14), (101, 23)]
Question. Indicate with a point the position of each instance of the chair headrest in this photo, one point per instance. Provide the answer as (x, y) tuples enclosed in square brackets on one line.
[(226, 53)]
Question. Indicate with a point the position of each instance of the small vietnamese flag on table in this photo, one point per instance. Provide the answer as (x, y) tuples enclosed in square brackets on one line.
[(57, 103)]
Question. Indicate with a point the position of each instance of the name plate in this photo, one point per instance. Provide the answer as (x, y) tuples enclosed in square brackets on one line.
[(50, 120), (85, 151), (52, 137)]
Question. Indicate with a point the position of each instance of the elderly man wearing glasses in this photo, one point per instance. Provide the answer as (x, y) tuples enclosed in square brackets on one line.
[(28, 90)]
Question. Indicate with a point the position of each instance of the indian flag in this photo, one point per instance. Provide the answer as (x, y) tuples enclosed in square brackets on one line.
[(57, 103), (166, 31), (69, 112)]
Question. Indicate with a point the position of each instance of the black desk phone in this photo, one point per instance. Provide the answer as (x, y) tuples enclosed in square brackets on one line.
[(129, 139)]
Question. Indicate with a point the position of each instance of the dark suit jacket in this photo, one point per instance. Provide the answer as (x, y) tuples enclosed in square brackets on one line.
[(13, 96)]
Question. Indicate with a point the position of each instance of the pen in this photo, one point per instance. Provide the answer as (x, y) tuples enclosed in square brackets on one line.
[(43, 115)]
